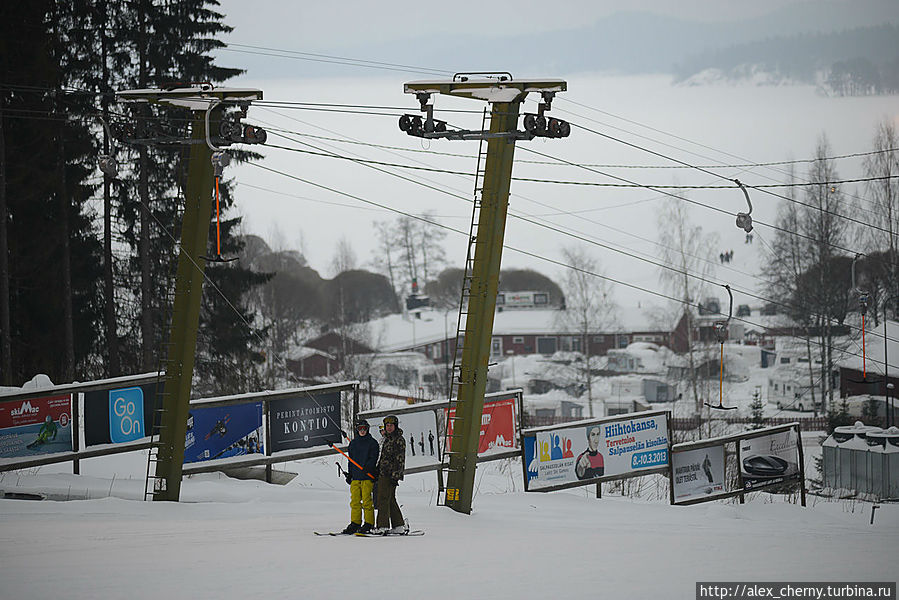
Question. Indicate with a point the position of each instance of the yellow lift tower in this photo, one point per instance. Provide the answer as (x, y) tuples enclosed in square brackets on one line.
[(205, 163), (482, 266)]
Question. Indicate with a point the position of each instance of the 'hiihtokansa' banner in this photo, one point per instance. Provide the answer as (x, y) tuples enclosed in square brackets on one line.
[(36, 426), (595, 451)]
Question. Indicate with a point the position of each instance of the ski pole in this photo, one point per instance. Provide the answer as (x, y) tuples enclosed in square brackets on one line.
[(351, 460)]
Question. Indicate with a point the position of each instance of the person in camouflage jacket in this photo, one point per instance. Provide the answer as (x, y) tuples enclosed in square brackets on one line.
[(391, 465)]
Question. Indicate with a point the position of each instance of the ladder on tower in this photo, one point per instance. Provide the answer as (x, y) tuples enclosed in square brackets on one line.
[(457, 376), (154, 482)]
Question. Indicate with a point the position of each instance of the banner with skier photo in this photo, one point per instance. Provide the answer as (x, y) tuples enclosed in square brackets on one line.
[(498, 431), (36, 426), (305, 421), (223, 431), (119, 415), (769, 460), (567, 456), (698, 473)]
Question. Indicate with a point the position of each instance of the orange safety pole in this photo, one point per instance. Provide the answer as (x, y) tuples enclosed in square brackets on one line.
[(721, 379), (218, 222), (352, 461), (864, 369)]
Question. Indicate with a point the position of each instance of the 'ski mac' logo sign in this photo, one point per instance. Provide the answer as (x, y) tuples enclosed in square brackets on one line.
[(126, 415)]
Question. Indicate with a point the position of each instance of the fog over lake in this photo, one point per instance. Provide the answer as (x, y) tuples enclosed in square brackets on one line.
[(715, 123)]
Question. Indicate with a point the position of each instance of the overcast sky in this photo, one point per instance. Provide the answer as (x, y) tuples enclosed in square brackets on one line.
[(335, 25)]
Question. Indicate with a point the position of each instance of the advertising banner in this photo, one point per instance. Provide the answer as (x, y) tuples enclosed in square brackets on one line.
[(305, 421), (497, 424), (119, 415), (36, 426), (223, 431), (420, 434), (698, 473), (769, 459), (587, 453)]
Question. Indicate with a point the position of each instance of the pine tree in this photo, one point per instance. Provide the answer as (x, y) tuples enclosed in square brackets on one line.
[(53, 256), (757, 411)]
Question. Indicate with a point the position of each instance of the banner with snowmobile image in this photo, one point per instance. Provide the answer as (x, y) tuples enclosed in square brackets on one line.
[(36, 426), (769, 460), (223, 431), (587, 452)]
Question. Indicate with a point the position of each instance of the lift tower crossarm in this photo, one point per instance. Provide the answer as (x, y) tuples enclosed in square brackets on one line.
[(506, 95), (179, 363)]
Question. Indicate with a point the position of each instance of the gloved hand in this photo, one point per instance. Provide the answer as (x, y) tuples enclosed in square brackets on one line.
[(348, 480), (395, 482)]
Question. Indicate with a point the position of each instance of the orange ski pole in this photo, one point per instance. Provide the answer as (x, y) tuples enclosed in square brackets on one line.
[(351, 460)]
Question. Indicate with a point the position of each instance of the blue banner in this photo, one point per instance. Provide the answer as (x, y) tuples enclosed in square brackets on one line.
[(120, 415), (223, 431)]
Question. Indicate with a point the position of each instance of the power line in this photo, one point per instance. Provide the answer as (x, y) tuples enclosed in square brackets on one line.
[(514, 249), (686, 165), (760, 188), (685, 199), (598, 165), (324, 58), (562, 182), (556, 229)]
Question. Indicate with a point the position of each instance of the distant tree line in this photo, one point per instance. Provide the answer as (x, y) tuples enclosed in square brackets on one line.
[(853, 62)]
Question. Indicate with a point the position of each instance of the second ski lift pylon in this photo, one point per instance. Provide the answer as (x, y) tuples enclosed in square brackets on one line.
[(721, 329)]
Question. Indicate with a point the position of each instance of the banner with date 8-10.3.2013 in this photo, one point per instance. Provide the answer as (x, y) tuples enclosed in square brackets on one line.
[(578, 454)]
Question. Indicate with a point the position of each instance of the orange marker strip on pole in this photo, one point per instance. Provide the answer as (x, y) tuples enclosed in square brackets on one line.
[(218, 222)]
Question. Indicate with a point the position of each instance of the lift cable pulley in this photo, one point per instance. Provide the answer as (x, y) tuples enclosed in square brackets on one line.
[(535, 125), (107, 163), (721, 328)]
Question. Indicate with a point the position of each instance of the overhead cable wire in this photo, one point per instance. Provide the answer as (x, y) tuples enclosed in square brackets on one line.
[(755, 187), (556, 229), (598, 165), (687, 165), (691, 201), (342, 59), (512, 248), (562, 182)]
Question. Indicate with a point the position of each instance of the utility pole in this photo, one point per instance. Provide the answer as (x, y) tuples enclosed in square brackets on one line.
[(179, 364), (481, 278)]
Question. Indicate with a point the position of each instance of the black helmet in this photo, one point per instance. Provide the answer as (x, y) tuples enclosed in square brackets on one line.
[(362, 423), (391, 419)]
